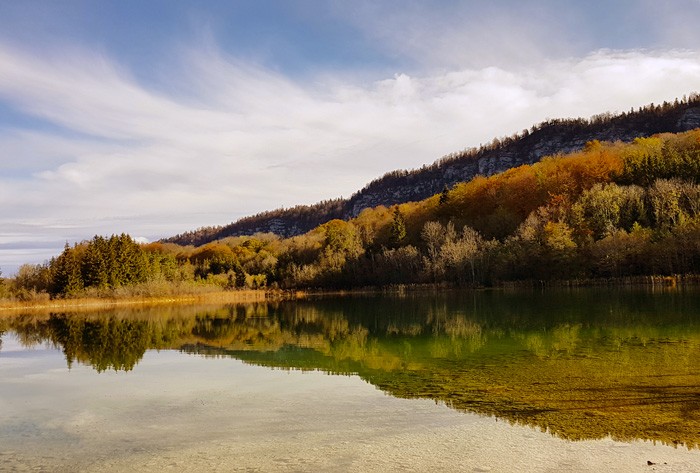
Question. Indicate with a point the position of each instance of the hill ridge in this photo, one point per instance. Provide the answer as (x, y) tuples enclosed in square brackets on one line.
[(556, 136)]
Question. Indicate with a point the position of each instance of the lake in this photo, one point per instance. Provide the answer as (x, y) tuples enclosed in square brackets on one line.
[(560, 380)]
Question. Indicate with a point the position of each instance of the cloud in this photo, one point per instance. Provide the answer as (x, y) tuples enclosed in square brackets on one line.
[(455, 34), (111, 154)]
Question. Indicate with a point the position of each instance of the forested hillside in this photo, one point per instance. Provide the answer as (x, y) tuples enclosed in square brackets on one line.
[(548, 138), (609, 210)]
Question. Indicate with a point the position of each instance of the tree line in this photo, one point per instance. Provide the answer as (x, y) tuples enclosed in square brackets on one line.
[(610, 210)]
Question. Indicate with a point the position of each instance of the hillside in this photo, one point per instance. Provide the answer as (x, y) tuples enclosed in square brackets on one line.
[(610, 210), (548, 138)]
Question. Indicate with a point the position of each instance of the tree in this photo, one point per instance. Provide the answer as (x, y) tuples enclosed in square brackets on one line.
[(341, 243), (31, 278), (239, 275), (665, 197), (67, 280), (433, 234), (542, 247), (618, 253), (633, 209), (460, 254), (93, 265), (397, 265), (398, 228), (598, 209), (560, 248), (129, 264), (444, 195)]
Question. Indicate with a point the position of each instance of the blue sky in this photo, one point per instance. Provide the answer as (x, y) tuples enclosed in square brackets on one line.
[(157, 117)]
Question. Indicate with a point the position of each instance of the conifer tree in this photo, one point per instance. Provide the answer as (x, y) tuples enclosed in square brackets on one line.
[(67, 279), (398, 228), (94, 266), (444, 195)]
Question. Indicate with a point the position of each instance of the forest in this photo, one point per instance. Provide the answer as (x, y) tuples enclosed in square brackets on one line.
[(526, 147), (611, 210)]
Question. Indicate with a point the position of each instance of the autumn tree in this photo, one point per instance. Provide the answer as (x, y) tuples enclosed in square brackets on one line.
[(434, 235), (666, 206), (598, 209), (459, 254)]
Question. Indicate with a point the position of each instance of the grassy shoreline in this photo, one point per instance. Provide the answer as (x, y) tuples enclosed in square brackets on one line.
[(87, 303), (96, 303)]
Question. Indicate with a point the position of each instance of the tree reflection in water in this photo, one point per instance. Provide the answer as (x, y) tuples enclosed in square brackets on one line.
[(581, 364)]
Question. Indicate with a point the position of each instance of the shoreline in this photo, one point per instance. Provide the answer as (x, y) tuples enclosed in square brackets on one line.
[(654, 281), (261, 295), (97, 303)]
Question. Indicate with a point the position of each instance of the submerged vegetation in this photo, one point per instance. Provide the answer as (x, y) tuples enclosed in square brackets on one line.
[(582, 364), (611, 210)]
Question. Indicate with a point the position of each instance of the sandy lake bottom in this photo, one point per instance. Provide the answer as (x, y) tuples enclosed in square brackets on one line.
[(182, 412)]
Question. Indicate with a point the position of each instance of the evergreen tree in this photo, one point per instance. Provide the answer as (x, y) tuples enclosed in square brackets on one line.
[(67, 280), (239, 275), (444, 195), (398, 228), (94, 266)]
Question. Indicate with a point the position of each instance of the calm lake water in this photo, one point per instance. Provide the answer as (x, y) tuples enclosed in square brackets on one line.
[(585, 380)]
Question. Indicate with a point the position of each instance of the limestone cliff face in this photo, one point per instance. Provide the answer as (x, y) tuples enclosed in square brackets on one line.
[(549, 138)]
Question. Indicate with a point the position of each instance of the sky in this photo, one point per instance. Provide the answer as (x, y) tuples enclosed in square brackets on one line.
[(162, 116)]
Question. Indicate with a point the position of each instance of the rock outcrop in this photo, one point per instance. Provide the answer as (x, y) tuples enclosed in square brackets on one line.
[(548, 138)]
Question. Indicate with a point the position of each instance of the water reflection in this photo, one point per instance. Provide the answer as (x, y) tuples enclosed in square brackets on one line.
[(582, 365)]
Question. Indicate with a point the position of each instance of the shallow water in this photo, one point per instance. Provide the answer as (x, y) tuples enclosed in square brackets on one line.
[(561, 381)]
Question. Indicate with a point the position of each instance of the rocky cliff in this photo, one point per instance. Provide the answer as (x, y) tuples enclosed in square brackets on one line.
[(548, 138)]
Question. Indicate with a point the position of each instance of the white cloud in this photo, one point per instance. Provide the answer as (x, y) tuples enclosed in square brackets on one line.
[(119, 156)]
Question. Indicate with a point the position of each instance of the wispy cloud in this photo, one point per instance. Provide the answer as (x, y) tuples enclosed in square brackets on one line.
[(459, 34), (467, 34)]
